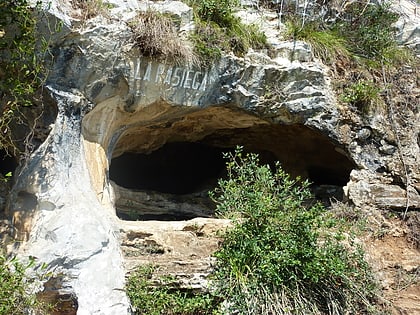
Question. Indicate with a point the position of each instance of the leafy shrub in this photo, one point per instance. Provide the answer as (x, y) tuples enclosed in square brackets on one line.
[(209, 42), (149, 298), (368, 28), (217, 11), (217, 30), (155, 35), (21, 67), (282, 256), (14, 296), (362, 94)]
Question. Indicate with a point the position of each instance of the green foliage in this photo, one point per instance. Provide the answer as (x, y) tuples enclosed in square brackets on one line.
[(362, 94), (209, 42), (14, 296), (284, 255), (283, 248), (242, 37), (149, 298), (363, 31), (217, 11), (327, 44), (395, 56), (360, 38), (21, 66), (369, 29), (6, 177), (217, 30)]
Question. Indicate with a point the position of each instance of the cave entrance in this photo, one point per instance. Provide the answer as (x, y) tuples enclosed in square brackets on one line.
[(176, 168), (164, 172), (8, 163), (168, 184)]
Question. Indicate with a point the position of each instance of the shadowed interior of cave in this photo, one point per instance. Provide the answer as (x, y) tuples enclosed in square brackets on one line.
[(7, 163), (172, 182), (176, 168)]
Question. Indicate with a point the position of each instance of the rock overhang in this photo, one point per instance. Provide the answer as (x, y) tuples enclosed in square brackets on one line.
[(137, 146), (140, 104)]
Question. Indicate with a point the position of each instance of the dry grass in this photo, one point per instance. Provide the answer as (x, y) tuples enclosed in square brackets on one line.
[(156, 36), (88, 9), (321, 300)]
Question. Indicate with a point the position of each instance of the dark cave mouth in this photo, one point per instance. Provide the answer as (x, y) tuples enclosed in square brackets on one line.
[(177, 177), (8, 163), (177, 168)]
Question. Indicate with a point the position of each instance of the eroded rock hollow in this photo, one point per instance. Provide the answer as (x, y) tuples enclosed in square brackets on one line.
[(170, 179)]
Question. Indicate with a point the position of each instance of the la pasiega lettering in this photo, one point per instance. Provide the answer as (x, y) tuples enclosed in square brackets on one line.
[(175, 76)]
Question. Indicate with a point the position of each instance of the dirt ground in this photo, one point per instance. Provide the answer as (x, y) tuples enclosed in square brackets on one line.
[(392, 248)]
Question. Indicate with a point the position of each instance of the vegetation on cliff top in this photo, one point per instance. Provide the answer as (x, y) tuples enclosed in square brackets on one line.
[(359, 42), (218, 30)]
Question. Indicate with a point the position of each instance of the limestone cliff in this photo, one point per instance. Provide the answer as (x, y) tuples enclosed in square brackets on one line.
[(138, 140)]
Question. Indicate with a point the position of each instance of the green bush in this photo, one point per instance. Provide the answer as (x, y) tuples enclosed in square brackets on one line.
[(209, 42), (362, 95), (150, 298), (217, 30), (283, 254), (368, 28), (21, 65), (14, 296), (217, 11)]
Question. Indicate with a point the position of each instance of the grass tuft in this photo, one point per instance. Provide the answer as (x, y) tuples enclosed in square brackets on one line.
[(327, 45), (88, 9), (362, 94), (155, 35)]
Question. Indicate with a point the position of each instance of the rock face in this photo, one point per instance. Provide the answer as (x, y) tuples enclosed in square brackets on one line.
[(54, 212), (138, 139)]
